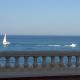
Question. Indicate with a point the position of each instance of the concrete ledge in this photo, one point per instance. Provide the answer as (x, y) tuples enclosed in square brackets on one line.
[(53, 72), (69, 77)]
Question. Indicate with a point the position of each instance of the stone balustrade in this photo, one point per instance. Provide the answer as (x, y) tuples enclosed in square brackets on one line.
[(35, 54), (16, 63)]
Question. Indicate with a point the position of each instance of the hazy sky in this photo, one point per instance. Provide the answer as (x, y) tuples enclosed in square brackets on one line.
[(40, 17)]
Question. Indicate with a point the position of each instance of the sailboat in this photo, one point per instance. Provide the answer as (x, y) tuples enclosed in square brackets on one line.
[(4, 40)]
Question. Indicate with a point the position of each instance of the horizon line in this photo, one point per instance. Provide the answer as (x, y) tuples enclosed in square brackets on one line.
[(36, 35)]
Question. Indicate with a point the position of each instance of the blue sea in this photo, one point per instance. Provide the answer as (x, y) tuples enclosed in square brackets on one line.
[(40, 43)]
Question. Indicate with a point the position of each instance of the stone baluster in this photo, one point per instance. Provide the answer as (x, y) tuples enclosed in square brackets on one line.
[(25, 61), (0, 62), (43, 61), (52, 61), (35, 61), (17, 61), (7, 62), (61, 61), (69, 61), (77, 61)]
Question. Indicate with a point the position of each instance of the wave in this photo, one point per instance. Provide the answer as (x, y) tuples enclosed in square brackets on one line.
[(71, 45), (40, 45), (66, 45), (43, 45), (49, 45), (55, 45)]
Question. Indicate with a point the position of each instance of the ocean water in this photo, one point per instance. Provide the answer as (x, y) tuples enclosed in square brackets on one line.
[(38, 43), (41, 43)]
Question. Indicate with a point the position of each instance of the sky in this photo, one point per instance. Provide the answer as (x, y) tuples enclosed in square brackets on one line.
[(40, 17)]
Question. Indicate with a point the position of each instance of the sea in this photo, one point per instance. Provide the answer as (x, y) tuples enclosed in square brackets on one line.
[(41, 43)]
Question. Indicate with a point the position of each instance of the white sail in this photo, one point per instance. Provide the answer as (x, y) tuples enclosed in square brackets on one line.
[(5, 42)]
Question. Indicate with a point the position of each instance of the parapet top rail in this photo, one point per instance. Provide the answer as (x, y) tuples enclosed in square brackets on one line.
[(39, 53)]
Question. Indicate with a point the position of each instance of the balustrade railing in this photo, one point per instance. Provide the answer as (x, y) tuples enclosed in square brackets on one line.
[(39, 63), (35, 54)]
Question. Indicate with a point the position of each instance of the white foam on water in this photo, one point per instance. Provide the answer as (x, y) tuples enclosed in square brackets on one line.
[(72, 45), (66, 45), (49, 45), (55, 45), (40, 45)]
